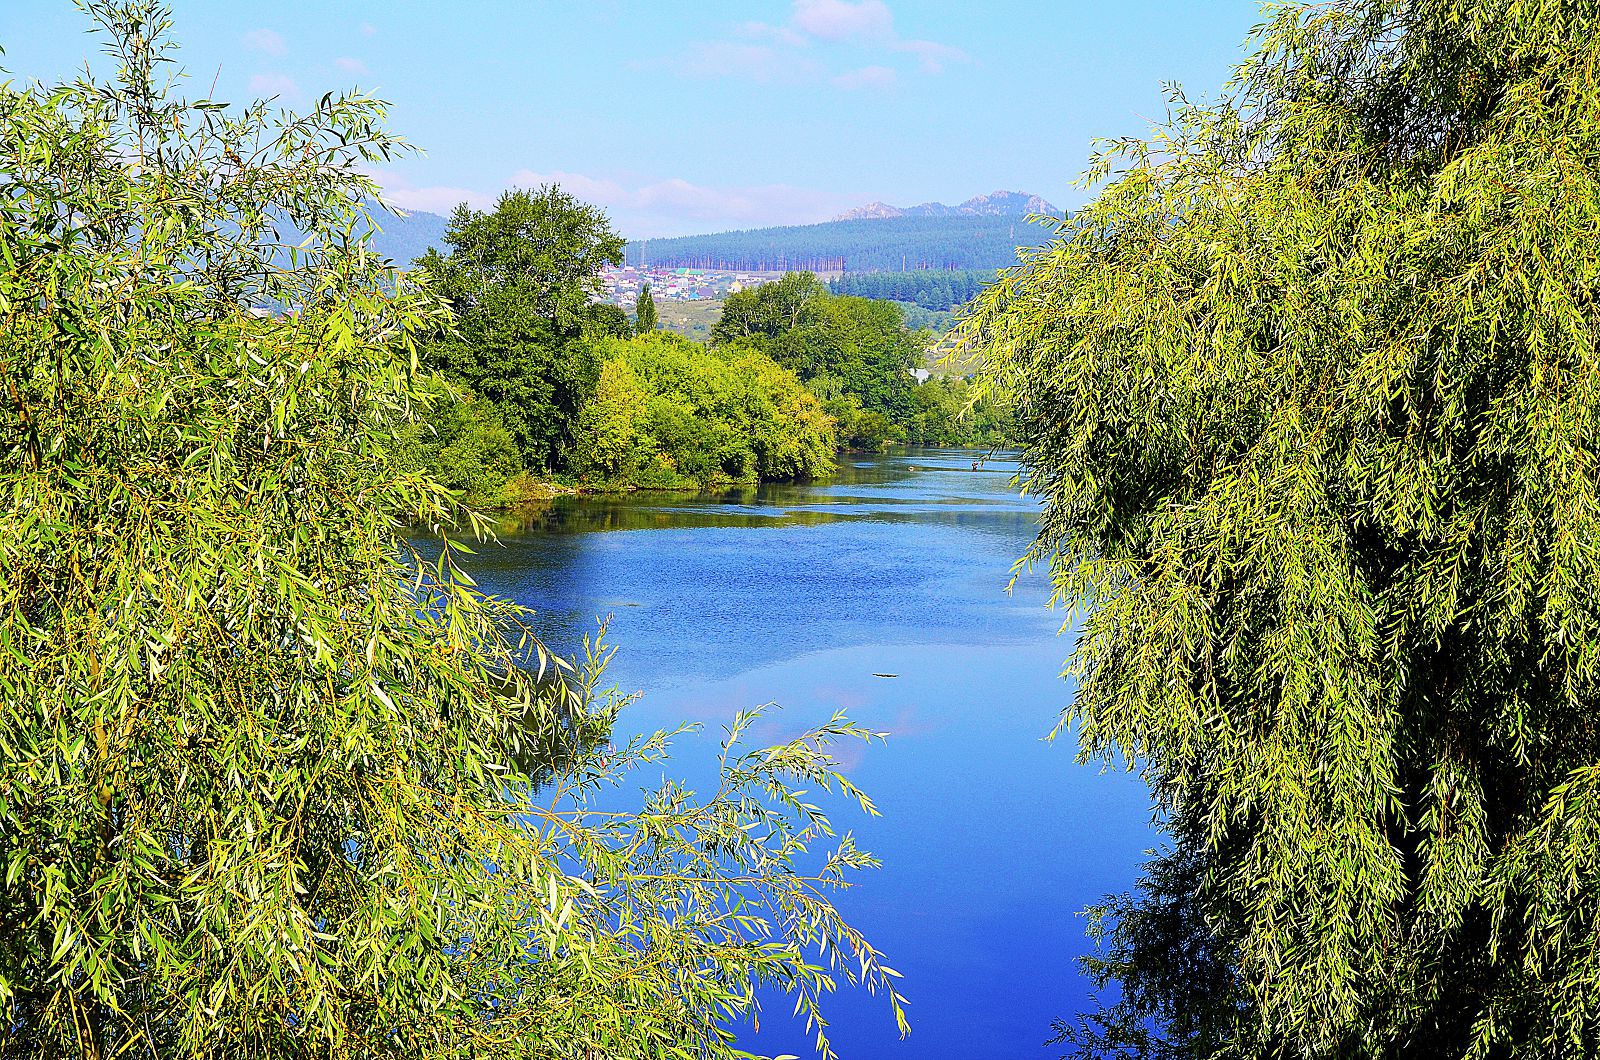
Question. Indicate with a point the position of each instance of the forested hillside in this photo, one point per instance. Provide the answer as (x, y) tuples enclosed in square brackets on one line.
[(953, 247), (893, 244), (937, 289), (404, 239)]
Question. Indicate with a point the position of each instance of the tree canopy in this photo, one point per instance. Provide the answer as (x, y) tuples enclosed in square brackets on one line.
[(859, 341), (669, 413), (520, 279), (544, 243), (1311, 392), (935, 289), (770, 310), (645, 311), (268, 776), (879, 244), (537, 377)]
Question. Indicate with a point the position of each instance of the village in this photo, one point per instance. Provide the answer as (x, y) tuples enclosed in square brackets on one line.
[(621, 286)]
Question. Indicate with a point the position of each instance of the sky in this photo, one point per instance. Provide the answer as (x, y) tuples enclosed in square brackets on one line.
[(703, 115)]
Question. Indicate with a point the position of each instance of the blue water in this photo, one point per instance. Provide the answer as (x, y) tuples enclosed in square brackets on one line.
[(992, 839)]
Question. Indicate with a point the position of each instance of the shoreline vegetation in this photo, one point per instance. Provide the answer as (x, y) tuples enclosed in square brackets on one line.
[(272, 783), (524, 489), (1309, 394), (538, 387)]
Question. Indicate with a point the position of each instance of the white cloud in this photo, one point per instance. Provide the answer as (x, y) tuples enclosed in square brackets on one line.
[(730, 59), (266, 40), (438, 199), (842, 20), (767, 31), (268, 85), (847, 31), (368, 29), (590, 189), (931, 55), (762, 63), (350, 65), (868, 77)]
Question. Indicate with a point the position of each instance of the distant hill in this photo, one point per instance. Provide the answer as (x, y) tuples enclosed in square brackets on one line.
[(868, 244), (994, 204), (982, 233), (404, 239), (933, 289)]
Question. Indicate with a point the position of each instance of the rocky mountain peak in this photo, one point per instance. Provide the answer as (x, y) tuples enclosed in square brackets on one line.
[(994, 204)]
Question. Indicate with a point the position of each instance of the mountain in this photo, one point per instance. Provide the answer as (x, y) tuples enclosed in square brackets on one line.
[(404, 239), (400, 239), (982, 233), (872, 211), (1006, 203), (994, 204), (873, 243)]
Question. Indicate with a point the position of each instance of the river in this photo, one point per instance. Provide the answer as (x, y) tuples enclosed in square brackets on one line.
[(993, 840)]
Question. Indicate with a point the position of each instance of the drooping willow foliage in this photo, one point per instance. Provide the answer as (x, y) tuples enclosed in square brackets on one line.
[(270, 784), (1312, 394)]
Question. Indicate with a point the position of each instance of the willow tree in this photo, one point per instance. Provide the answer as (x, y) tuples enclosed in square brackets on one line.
[(1312, 395), (267, 779)]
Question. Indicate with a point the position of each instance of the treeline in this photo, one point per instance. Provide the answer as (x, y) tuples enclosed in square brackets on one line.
[(933, 321), (534, 381), (748, 263), (669, 413), (857, 356), (894, 244), (936, 289)]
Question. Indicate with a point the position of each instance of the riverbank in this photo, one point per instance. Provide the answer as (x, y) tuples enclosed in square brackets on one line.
[(520, 490), (524, 489)]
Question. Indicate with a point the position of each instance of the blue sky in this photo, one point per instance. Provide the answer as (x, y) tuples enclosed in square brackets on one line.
[(704, 115)]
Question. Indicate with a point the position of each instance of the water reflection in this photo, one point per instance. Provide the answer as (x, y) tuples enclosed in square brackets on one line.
[(801, 594), (895, 488)]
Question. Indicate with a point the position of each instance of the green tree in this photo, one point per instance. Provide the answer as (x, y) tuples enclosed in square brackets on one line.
[(843, 408), (862, 342), (951, 411), (1312, 394), (866, 344), (645, 312), (669, 413), (520, 280), (544, 243), (768, 310), (612, 432), (602, 320), (945, 288), (267, 777), (535, 375), (464, 446), (875, 431)]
